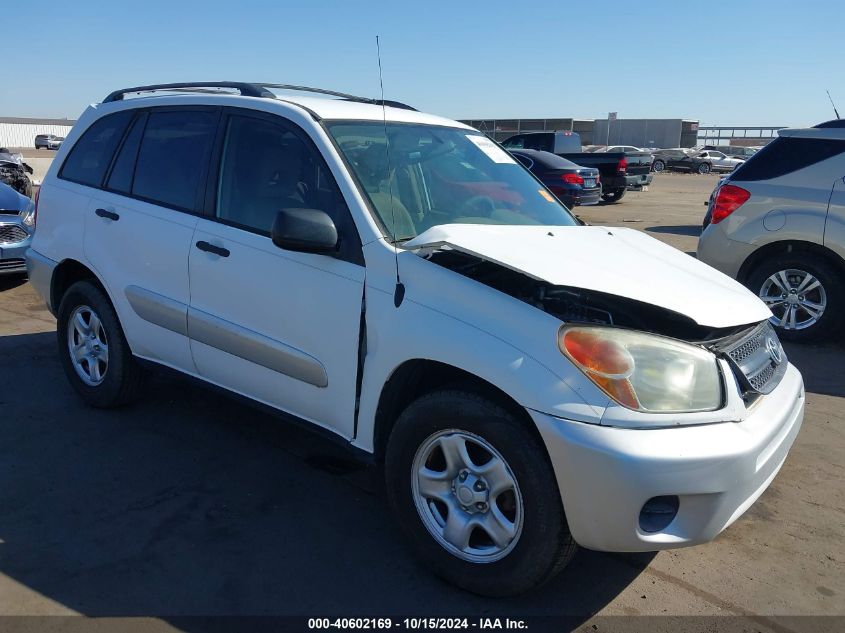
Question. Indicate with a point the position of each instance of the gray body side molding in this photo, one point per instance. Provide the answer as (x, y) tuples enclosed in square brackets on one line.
[(254, 347), (158, 309), (226, 336)]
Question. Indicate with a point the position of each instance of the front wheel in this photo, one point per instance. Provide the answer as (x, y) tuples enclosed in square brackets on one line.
[(658, 166), (472, 488), (804, 293), (93, 350), (704, 168), (615, 195)]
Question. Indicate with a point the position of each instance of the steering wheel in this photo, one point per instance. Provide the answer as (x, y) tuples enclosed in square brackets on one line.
[(481, 206)]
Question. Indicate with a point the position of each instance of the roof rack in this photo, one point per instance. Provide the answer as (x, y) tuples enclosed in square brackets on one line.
[(246, 89), (341, 95)]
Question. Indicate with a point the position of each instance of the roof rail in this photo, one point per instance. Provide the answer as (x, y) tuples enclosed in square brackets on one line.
[(342, 95), (245, 89), (248, 89)]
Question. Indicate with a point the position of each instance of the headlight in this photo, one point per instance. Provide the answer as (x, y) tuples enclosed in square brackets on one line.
[(28, 216), (645, 372)]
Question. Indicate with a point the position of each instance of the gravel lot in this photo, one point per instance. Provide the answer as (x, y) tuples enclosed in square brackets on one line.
[(191, 503)]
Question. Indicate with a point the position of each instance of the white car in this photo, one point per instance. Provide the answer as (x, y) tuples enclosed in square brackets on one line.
[(720, 161), (530, 383)]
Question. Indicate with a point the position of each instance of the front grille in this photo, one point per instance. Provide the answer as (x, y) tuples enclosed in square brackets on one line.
[(11, 233), (757, 359), (12, 264)]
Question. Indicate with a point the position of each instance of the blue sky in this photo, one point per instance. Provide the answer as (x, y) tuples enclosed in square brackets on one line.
[(738, 63)]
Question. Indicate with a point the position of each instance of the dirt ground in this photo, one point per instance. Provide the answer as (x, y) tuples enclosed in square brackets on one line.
[(191, 503)]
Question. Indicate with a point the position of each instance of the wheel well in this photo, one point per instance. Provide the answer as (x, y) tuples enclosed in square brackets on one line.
[(415, 378), (66, 274), (784, 248)]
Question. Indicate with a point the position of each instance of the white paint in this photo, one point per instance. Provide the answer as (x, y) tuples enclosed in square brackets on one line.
[(618, 261)]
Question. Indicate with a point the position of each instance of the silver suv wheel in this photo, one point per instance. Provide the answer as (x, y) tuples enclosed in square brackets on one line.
[(87, 345), (467, 496), (796, 298)]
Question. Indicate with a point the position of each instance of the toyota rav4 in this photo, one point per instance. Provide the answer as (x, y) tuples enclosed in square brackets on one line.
[(400, 281)]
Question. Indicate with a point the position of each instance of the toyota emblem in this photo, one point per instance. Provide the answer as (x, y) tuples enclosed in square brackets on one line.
[(774, 350)]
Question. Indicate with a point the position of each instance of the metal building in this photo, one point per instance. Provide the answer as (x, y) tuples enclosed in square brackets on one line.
[(637, 132), (21, 132), (658, 133), (500, 129)]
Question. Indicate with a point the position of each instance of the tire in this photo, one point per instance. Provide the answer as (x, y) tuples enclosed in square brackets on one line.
[(658, 166), (704, 168), (118, 377), (613, 196), (542, 544), (765, 281)]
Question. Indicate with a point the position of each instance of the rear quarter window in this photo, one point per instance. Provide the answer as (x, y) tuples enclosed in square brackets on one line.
[(785, 155), (90, 157)]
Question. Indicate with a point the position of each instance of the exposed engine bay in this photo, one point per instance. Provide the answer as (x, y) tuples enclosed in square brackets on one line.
[(577, 305)]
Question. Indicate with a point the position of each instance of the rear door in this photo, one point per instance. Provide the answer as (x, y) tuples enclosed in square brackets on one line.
[(277, 326), (139, 227)]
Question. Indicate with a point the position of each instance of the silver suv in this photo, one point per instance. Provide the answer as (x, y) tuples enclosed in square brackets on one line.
[(777, 224)]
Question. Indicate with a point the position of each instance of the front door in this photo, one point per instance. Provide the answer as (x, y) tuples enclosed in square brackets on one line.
[(278, 326)]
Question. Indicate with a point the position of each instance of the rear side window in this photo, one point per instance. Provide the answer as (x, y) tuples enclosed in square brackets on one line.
[(90, 157), (785, 155), (173, 157), (124, 166)]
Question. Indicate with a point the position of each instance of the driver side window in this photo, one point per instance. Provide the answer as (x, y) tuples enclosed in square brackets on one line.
[(266, 167)]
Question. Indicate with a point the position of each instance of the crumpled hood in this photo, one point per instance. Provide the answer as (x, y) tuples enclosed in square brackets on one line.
[(617, 261)]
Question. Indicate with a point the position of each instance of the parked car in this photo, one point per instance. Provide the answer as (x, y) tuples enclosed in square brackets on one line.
[(529, 383), (14, 172), (572, 184), (777, 224), (621, 148), (620, 171), (17, 222), (48, 141), (718, 161), (680, 159), (733, 150)]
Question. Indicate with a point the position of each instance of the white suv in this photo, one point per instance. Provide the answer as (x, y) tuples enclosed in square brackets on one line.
[(399, 280)]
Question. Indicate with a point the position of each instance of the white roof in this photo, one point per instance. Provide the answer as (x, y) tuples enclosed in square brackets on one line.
[(324, 107), (329, 108)]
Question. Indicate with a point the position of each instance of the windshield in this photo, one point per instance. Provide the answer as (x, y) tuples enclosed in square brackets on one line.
[(440, 175)]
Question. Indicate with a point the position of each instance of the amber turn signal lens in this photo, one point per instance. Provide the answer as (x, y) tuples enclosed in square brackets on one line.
[(606, 362)]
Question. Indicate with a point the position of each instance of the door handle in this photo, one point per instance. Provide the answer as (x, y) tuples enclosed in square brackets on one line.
[(211, 248), (111, 215)]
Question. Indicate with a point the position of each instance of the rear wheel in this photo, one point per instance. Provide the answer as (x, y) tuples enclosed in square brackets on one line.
[(804, 293), (704, 168), (472, 488), (93, 350), (614, 195)]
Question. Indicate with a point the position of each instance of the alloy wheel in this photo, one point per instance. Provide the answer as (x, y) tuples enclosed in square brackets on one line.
[(88, 345), (796, 298)]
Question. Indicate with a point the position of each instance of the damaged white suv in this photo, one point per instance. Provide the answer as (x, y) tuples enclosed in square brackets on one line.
[(398, 280)]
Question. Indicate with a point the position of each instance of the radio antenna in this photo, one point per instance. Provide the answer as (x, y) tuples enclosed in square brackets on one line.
[(833, 104), (399, 292)]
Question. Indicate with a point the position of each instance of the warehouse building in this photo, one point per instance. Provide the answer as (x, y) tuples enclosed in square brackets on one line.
[(636, 132), (21, 132)]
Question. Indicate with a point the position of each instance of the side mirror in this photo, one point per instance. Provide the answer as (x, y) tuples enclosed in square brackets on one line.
[(305, 231)]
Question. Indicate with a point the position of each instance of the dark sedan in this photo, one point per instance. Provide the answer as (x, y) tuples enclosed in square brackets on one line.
[(572, 184)]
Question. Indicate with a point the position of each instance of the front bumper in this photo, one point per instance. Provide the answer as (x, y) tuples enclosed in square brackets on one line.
[(13, 256), (607, 474)]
